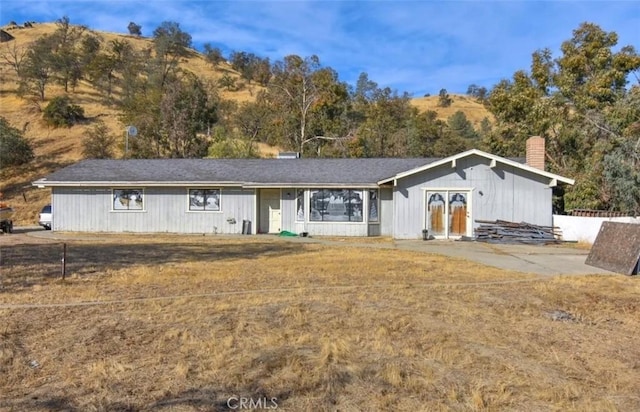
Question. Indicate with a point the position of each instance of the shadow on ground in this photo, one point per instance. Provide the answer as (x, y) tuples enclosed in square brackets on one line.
[(25, 265), (202, 399)]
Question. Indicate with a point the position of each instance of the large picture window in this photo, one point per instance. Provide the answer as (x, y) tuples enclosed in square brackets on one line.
[(336, 205), (128, 199), (204, 200)]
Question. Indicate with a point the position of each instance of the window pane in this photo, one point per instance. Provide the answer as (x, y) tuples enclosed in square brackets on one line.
[(436, 213), (336, 204), (212, 200), (373, 205), (300, 205), (196, 199), (204, 200), (319, 199), (128, 199), (354, 205), (457, 214)]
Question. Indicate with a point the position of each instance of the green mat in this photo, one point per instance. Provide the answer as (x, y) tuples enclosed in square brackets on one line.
[(287, 233)]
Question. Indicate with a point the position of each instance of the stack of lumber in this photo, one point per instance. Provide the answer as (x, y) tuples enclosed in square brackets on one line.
[(502, 231)]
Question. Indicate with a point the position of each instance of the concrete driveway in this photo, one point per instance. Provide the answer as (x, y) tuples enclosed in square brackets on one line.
[(564, 259), (538, 259)]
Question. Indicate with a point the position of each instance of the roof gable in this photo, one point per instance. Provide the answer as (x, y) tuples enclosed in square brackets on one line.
[(554, 178)]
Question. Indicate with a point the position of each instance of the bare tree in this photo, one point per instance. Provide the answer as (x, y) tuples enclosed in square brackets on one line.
[(14, 55)]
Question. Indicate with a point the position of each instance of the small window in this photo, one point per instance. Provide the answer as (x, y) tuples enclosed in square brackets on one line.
[(128, 199), (373, 205), (204, 200), (300, 205)]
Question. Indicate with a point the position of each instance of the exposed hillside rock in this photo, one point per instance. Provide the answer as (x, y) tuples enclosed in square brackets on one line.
[(5, 37)]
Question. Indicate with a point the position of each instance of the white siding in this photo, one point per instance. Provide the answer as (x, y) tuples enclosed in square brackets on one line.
[(165, 210), (502, 192)]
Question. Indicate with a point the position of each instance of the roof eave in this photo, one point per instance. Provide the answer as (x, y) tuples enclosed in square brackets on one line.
[(309, 185), (61, 183), (248, 185), (452, 159)]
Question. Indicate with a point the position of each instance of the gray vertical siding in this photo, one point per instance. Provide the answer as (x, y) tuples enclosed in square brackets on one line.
[(502, 192), (165, 210), (288, 212), (386, 211)]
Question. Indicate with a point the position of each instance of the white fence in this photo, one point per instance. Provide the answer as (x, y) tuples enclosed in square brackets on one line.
[(585, 229)]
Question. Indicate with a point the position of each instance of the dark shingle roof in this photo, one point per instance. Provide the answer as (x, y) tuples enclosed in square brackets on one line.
[(242, 171)]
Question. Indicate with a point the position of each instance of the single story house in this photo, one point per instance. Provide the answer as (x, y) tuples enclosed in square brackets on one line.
[(333, 197)]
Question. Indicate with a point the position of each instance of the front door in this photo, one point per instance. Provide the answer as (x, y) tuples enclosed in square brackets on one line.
[(274, 219), (270, 218), (448, 213)]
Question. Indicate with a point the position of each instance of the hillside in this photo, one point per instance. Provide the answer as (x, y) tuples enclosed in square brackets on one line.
[(474, 111), (56, 148)]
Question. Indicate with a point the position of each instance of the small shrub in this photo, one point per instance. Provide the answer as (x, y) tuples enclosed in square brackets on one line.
[(134, 29), (14, 148), (60, 112), (98, 143), (444, 100), (227, 82)]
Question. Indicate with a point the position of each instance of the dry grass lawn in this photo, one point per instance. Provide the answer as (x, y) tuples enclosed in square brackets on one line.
[(182, 323)]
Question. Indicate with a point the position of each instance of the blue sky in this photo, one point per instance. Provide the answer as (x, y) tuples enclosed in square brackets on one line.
[(414, 46)]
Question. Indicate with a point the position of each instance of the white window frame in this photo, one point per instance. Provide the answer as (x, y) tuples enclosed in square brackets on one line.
[(189, 210), (363, 193), (137, 188)]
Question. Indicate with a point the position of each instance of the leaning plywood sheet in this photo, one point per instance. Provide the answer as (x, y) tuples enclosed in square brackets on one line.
[(617, 248)]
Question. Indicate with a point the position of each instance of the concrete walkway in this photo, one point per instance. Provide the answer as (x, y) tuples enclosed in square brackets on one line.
[(548, 260)]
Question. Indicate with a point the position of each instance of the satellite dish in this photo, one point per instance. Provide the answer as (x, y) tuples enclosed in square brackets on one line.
[(132, 130)]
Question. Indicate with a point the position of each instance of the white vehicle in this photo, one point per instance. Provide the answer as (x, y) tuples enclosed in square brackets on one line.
[(45, 217)]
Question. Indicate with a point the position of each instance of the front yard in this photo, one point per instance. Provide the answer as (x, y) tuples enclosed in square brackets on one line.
[(188, 323)]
